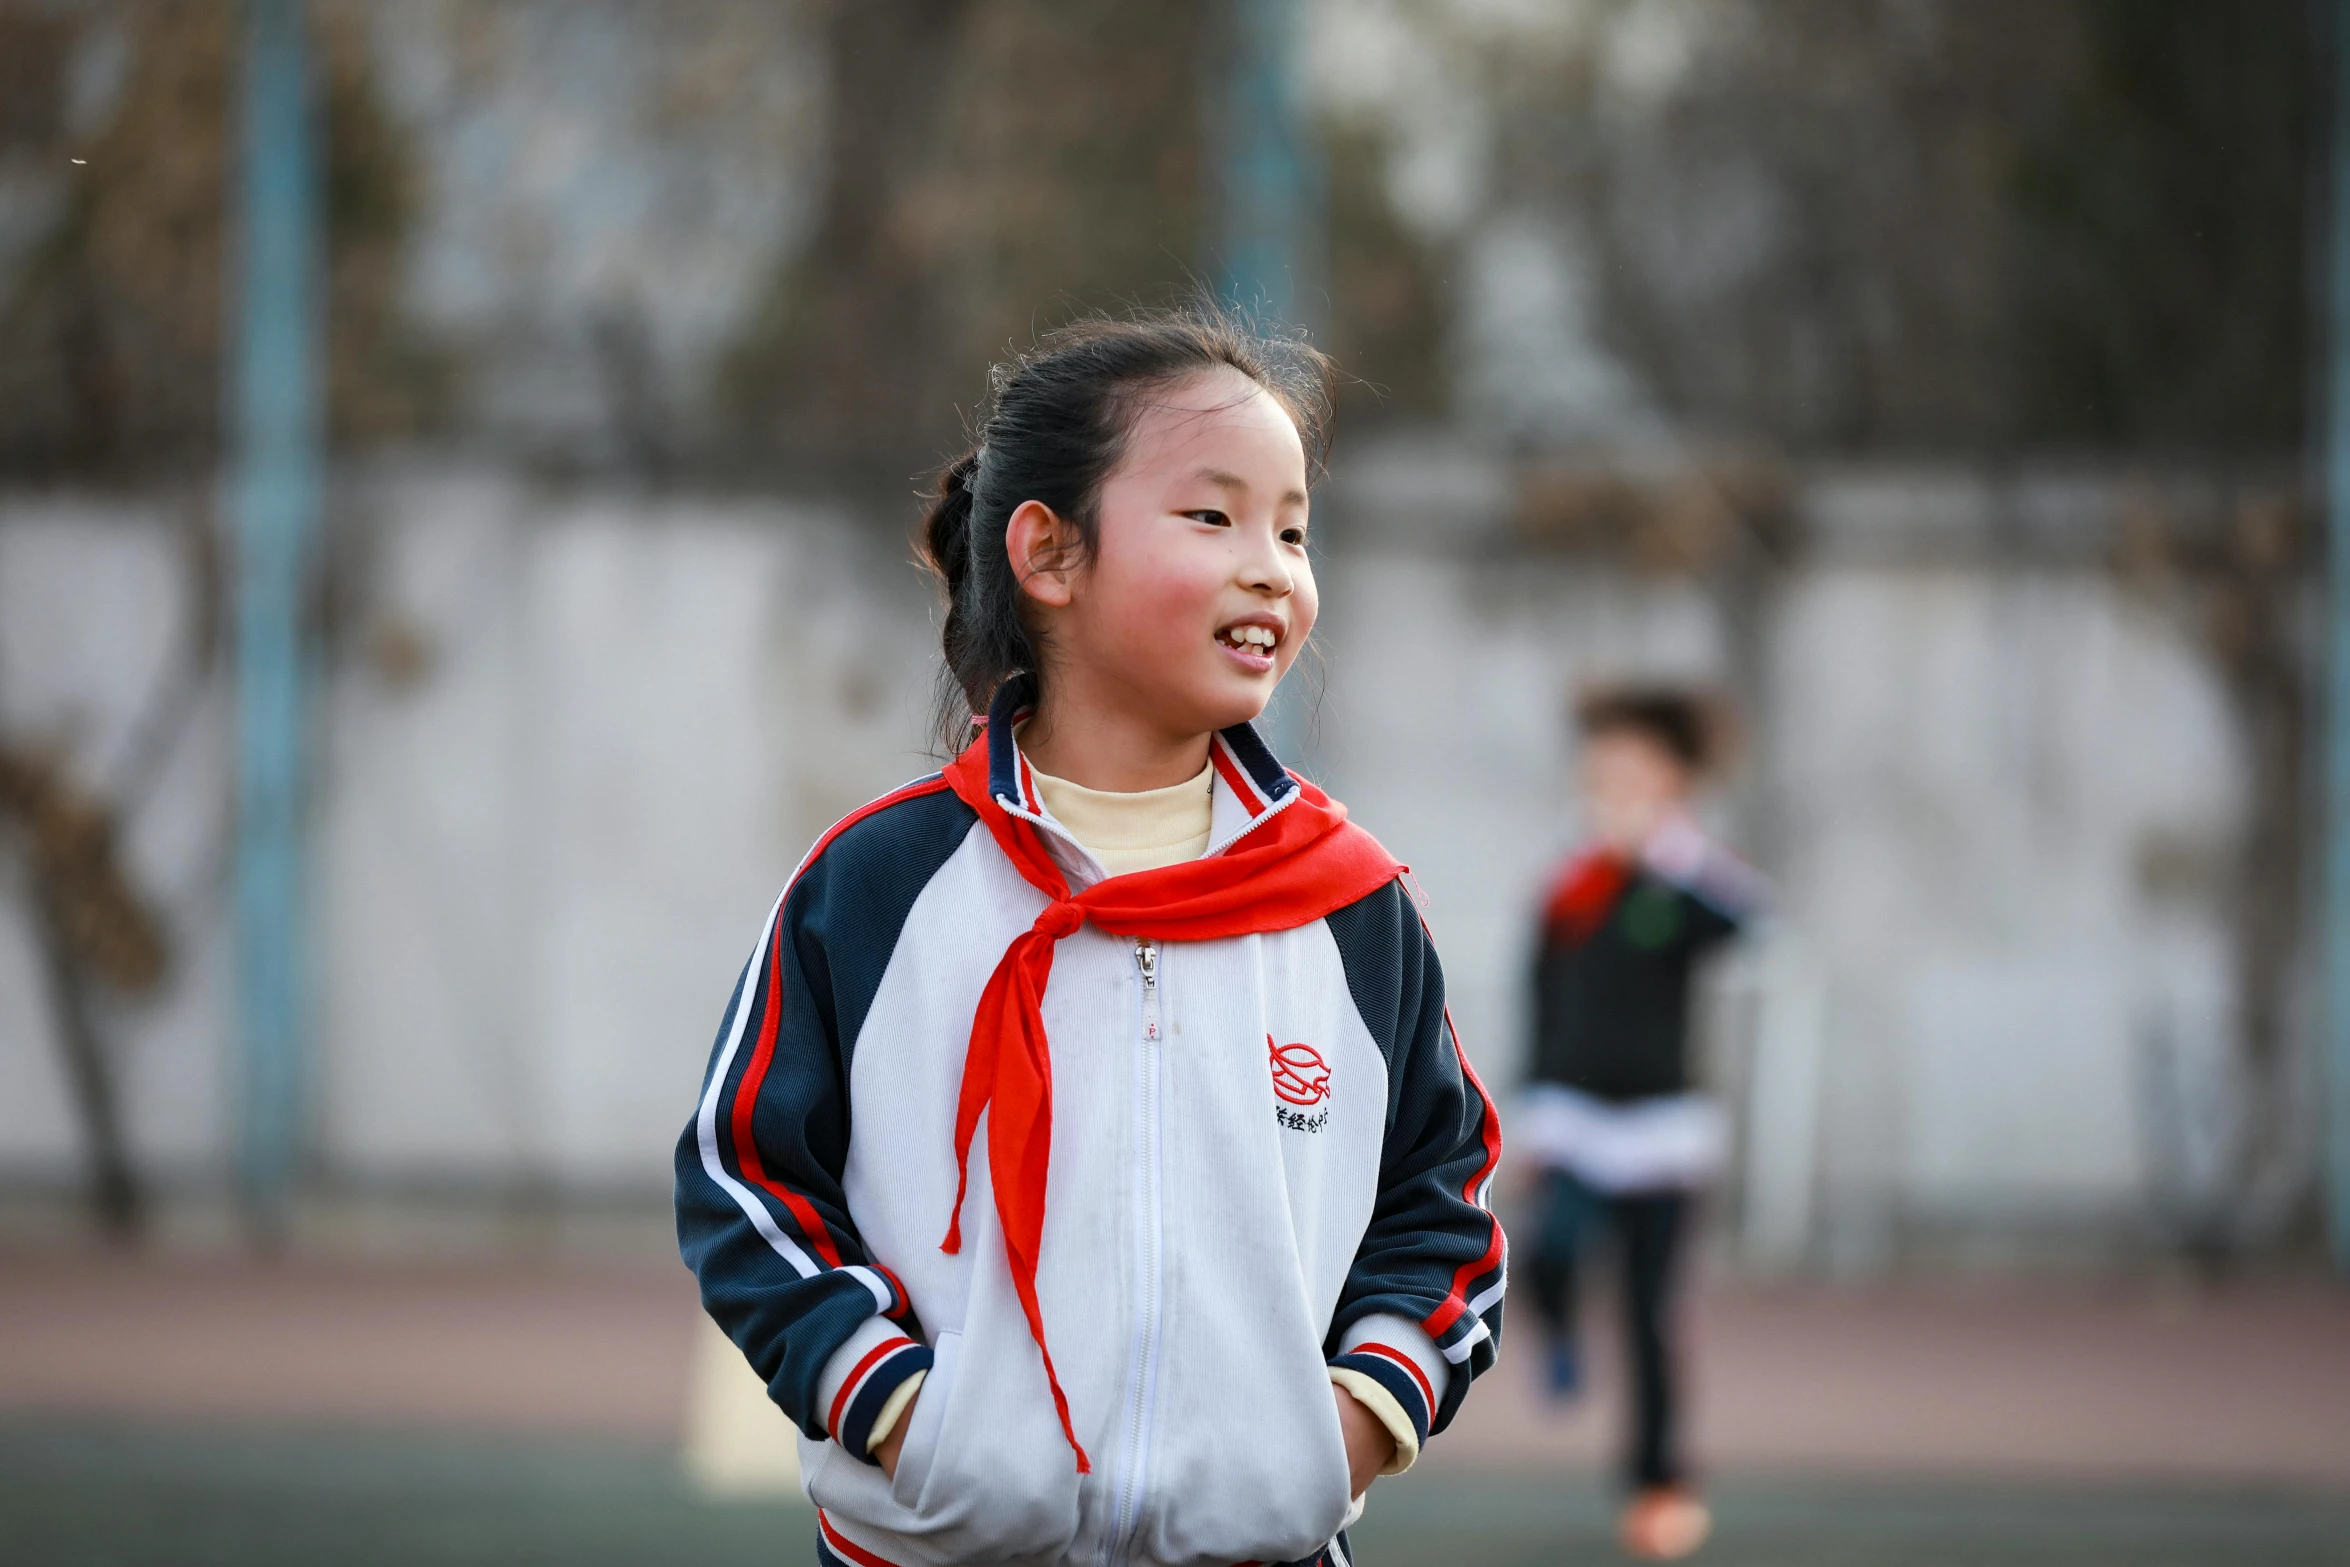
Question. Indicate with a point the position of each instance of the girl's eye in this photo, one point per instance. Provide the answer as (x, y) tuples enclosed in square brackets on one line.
[(1296, 536), (1214, 519)]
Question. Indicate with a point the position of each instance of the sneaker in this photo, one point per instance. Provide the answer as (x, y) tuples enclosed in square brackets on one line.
[(1664, 1523), (1564, 1376)]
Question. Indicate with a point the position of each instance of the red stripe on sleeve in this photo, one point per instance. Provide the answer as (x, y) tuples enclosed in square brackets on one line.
[(746, 1099), (746, 1093), (905, 1301), (1456, 1302), (841, 1543)]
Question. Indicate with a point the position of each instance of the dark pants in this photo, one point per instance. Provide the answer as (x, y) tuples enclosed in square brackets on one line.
[(1570, 1219)]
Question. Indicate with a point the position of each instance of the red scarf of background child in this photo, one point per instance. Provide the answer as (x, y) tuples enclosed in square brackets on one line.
[(1306, 861), (1584, 895)]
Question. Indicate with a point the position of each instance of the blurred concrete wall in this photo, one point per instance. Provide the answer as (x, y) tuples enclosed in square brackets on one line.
[(570, 745), (565, 757), (99, 632), (548, 849)]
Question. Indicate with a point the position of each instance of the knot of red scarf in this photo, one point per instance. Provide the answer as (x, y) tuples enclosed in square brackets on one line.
[(1301, 861)]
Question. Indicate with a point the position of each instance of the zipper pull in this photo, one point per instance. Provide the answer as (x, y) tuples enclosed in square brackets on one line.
[(1146, 958)]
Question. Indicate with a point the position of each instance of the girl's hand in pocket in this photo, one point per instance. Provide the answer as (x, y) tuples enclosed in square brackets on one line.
[(1370, 1446), (887, 1453)]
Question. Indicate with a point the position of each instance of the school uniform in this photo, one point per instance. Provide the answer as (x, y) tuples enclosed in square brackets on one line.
[(1611, 1112), (1126, 1204)]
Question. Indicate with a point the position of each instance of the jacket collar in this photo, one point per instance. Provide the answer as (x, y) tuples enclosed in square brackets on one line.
[(1250, 784)]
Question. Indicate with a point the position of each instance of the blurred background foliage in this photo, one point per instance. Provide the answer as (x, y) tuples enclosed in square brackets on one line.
[(110, 337), (1977, 227), (2163, 249), (991, 168)]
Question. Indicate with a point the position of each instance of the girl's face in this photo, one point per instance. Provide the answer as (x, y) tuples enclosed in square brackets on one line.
[(1198, 594)]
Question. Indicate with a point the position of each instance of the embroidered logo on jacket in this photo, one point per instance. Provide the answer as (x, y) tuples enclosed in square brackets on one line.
[(1301, 1078)]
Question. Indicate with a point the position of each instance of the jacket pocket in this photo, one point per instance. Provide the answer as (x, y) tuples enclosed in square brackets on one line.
[(984, 1476)]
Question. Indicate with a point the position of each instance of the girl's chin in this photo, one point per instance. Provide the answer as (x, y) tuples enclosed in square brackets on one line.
[(1208, 697), (1238, 703)]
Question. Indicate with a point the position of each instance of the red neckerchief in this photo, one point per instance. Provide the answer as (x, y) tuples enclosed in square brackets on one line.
[(1584, 895), (1306, 861)]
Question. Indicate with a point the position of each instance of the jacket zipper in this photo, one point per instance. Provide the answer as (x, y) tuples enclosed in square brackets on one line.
[(1146, 959), (1254, 823), (1135, 1460)]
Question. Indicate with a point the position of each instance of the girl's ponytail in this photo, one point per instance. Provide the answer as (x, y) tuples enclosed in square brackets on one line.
[(1055, 431), (984, 642), (946, 528)]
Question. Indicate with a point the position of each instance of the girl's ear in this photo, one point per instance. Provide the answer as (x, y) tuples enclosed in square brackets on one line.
[(1042, 548)]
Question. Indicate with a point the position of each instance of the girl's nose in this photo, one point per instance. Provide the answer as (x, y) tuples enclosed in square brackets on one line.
[(1265, 570)]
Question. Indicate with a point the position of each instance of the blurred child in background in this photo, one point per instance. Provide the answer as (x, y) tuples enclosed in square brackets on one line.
[(1621, 1137)]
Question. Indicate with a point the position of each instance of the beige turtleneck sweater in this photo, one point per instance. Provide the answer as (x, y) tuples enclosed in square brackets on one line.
[(1140, 831)]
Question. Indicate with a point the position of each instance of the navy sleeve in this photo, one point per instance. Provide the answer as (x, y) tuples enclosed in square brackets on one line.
[(1711, 920), (1724, 895), (1433, 1253), (761, 1216)]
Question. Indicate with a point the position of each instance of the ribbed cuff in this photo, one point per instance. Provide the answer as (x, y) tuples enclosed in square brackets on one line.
[(1373, 1395), (861, 1380), (891, 1408), (1392, 1368)]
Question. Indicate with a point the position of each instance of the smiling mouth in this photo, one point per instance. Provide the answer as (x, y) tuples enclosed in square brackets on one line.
[(1260, 640)]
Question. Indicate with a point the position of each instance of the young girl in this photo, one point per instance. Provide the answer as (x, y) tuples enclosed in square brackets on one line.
[(1222, 1255)]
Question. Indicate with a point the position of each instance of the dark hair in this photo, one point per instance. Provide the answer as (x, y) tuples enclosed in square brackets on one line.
[(1055, 427), (1689, 726)]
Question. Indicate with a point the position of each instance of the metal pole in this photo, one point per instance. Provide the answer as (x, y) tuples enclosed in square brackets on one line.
[(1269, 212), (1271, 183), (275, 505), (2337, 917)]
